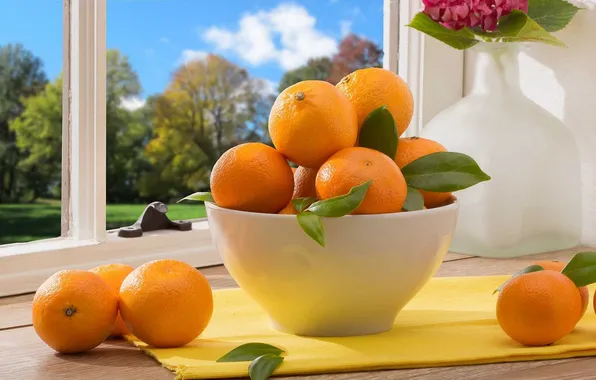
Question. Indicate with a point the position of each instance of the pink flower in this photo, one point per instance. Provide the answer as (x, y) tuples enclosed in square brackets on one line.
[(484, 14)]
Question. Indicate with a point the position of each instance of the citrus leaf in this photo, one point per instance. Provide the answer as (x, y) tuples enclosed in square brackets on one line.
[(551, 15), (249, 351), (581, 269), (301, 203), (530, 269), (414, 200), (378, 132), (518, 27), (263, 366), (443, 172), (200, 196), (341, 205), (461, 39), (311, 224)]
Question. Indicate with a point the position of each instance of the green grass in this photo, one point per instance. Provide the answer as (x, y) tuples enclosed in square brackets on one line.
[(27, 222)]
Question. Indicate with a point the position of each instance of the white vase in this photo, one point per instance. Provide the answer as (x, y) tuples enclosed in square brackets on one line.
[(532, 204)]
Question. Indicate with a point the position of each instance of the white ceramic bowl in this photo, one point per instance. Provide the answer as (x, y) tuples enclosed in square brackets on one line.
[(371, 267)]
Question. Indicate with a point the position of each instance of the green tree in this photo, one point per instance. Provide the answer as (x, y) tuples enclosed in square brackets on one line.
[(314, 69), (21, 76)]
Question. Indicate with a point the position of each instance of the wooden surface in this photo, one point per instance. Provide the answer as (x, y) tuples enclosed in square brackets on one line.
[(23, 356)]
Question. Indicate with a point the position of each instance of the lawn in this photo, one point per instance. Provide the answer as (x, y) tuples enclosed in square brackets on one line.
[(27, 222)]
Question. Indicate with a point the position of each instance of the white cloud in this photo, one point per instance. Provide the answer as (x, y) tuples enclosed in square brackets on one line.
[(191, 55), (254, 40), (132, 103), (345, 27), (266, 87)]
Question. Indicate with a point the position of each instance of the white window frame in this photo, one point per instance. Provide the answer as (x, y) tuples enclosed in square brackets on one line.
[(433, 71)]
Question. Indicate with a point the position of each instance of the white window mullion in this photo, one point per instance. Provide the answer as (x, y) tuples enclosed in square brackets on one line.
[(87, 118)]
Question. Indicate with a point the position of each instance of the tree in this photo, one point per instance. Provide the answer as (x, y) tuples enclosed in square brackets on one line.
[(354, 53), (209, 106), (38, 133), (314, 69), (21, 76)]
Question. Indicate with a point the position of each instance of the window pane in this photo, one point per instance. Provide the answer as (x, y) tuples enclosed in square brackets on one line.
[(187, 81), (30, 120)]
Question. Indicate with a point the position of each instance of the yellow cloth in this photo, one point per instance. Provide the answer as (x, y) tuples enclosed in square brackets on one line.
[(450, 322)]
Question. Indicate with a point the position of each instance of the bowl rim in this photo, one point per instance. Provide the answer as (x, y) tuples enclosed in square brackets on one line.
[(448, 208)]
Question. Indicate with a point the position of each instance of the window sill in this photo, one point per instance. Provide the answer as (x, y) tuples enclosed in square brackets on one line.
[(25, 266)]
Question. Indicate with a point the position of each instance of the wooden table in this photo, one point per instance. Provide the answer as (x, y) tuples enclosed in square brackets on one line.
[(24, 356)]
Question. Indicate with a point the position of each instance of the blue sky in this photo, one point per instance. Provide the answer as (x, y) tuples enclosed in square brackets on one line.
[(265, 36)]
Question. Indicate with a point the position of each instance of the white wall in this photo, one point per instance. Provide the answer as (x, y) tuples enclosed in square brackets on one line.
[(563, 81)]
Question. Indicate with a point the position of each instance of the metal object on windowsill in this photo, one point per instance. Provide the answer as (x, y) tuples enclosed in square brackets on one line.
[(154, 218)]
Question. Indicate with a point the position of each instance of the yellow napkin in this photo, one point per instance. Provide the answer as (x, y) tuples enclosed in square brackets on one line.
[(450, 322)]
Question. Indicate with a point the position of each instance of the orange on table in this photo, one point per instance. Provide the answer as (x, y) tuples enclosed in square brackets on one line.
[(354, 166), (538, 308), (370, 88), (166, 303), (74, 311), (114, 275), (252, 177), (310, 121), (412, 148), (558, 266)]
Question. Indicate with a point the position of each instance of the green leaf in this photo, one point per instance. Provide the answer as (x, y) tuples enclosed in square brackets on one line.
[(378, 132), (301, 203), (200, 196), (443, 172), (551, 15), (461, 39), (530, 269), (263, 366), (249, 351), (518, 27), (312, 225), (341, 205), (581, 269), (414, 200)]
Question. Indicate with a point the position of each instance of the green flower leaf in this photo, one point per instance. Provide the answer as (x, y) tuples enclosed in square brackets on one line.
[(301, 203), (443, 172), (581, 269), (551, 15), (414, 200), (530, 269), (312, 225), (200, 196), (518, 27), (249, 351), (263, 366), (461, 39), (341, 205), (378, 132)]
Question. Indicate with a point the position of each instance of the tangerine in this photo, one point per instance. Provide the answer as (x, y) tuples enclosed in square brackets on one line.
[(166, 303), (558, 266)]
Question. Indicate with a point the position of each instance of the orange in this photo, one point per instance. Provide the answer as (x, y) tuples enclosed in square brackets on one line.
[(252, 177), (310, 121), (412, 148), (113, 275), (370, 88), (354, 166), (538, 308), (558, 266), (289, 209), (74, 311), (166, 303)]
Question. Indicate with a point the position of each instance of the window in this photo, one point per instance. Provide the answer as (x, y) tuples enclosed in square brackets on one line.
[(86, 238)]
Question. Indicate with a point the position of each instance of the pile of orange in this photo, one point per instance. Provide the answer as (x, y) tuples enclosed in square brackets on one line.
[(316, 126), (541, 307), (164, 303)]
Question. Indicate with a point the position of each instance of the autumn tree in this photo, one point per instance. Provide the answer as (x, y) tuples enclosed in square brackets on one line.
[(314, 69), (354, 52), (21, 76), (209, 106)]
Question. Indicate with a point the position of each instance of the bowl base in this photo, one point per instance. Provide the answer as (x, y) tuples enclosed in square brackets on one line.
[(334, 331)]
